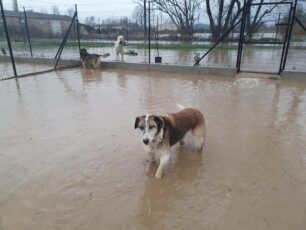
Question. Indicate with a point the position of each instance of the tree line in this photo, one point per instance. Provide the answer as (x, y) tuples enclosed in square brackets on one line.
[(222, 14)]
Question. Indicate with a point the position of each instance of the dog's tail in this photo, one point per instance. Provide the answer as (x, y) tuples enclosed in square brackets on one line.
[(104, 55), (181, 107)]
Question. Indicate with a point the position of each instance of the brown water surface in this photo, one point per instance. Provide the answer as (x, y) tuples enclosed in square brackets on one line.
[(70, 158)]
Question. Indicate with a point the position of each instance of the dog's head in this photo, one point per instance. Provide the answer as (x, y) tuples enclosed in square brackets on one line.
[(121, 40), (151, 128), (83, 52)]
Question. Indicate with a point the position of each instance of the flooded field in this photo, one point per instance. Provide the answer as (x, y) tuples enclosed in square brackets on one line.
[(71, 159), (256, 58)]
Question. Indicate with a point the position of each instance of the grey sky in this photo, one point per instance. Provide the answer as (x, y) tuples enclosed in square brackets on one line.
[(99, 8)]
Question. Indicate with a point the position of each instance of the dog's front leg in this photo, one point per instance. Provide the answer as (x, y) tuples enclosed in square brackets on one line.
[(122, 56), (164, 158)]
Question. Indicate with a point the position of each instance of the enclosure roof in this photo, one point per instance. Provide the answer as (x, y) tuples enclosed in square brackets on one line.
[(31, 14)]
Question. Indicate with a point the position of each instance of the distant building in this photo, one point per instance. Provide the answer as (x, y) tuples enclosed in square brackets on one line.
[(201, 27), (167, 27), (40, 25)]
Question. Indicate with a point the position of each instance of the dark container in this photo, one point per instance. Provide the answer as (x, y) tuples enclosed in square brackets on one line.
[(158, 59)]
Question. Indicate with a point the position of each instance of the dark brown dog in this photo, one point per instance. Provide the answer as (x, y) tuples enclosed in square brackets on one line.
[(91, 60)]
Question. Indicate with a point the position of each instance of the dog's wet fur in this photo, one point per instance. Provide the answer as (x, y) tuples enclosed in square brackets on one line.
[(160, 133), (119, 48), (91, 60)]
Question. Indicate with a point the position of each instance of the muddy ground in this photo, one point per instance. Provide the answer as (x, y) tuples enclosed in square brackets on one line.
[(71, 159)]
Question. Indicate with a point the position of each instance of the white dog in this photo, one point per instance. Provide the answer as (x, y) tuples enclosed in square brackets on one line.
[(119, 47), (160, 133)]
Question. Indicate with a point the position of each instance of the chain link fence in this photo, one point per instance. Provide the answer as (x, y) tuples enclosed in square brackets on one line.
[(251, 35), (35, 40)]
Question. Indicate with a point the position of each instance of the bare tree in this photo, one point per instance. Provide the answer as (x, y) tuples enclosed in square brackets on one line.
[(15, 5), (299, 27), (90, 21), (222, 16), (55, 10), (182, 13), (43, 11), (255, 17), (137, 14), (70, 11)]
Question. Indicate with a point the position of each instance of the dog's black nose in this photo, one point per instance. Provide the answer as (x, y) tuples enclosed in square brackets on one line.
[(146, 141)]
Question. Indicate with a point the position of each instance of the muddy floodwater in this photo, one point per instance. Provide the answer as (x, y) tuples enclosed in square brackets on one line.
[(71, 159)]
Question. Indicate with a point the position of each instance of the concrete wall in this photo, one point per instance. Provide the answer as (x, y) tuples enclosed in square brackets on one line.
[(293, 76), (231, 72), (170, 68), (45, 61)]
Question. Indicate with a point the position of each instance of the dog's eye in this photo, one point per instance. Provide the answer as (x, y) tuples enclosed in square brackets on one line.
[(141, 128), (151, 127)]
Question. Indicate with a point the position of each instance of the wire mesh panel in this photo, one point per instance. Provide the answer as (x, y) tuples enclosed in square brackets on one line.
[(69, 47), (210, 34), (265, 34), (35, 39), (6, 69), (296, 59), (223, 53), (25, 55), (217, 41)]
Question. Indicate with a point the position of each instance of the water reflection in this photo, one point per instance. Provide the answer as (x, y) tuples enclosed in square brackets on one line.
[(72, 141), (122, 80), (157, 201), (221, 57), (90, 76)]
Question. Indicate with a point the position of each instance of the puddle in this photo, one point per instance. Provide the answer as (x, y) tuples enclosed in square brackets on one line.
[(71, 159)]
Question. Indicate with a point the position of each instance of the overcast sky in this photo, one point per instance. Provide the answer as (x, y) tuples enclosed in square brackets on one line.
[(99, 8)]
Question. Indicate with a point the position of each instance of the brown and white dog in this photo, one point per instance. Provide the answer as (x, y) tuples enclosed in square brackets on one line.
[(160, 133)]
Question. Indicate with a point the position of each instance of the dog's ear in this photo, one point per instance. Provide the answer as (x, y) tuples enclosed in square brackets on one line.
[(137, 120), (160, 122)]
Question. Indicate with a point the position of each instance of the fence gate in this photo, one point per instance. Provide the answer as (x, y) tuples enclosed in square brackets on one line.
[(265, 36)]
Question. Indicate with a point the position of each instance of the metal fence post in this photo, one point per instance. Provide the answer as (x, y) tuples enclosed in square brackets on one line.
[(27, 30), (60, 50), (149, 32), (145, 19), (217, 42), (241, 37), (283, 63), (8, 39), (78, 28)]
